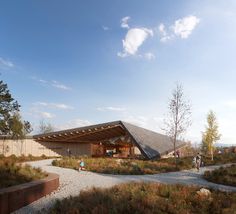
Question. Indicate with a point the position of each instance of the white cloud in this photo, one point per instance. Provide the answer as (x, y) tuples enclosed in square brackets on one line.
[(134, 38), (111, 109), (45, 115), (149, 56), (184, 27), (39, 113), (138, 121), (42, 81), (124, 22), (164, 35), (74, 124), (105, 28), (54, 105), (56, 84), (53, 83), (4, 63)]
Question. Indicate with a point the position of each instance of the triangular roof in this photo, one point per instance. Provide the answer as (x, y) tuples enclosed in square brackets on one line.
[(150, 143)]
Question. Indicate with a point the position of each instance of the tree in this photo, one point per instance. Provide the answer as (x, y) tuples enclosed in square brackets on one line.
[(11, 123), (211, 135), (178, 118), (7, 108), (45, 127), (19, 128)]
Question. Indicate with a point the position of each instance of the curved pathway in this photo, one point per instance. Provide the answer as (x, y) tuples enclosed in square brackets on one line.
[(72, 182)]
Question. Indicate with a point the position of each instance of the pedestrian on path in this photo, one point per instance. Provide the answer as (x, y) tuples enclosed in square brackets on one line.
[(81, 165), (198, 161)]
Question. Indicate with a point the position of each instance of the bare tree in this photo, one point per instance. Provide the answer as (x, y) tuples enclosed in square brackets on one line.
[(45, 127), (179, 116)]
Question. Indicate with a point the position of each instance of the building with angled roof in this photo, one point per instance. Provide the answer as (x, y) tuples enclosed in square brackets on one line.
[(116, 139)]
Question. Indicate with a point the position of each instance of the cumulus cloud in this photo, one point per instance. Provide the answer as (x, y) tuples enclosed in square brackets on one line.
[(54, 105), (124, 22), (134, 38), (4, 63), (110, 108), (181, 28), (184, 27)]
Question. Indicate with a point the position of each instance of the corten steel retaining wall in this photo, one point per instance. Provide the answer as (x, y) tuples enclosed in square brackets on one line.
[(15, 197)]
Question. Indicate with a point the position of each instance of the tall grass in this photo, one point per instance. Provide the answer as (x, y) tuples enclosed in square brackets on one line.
[(13, 173), (220, 159), (124, 166), (223, 175), (147, 198), (24, 158)]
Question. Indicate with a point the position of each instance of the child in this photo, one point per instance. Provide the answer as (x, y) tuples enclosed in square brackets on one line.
[(81, 165)]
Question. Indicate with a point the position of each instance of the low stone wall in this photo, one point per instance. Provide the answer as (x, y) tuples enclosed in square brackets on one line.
[(15, 197)]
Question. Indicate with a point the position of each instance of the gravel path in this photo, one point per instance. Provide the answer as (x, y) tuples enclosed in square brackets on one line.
[(72, 182)]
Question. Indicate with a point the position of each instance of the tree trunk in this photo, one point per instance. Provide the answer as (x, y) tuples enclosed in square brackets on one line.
[(175, 152)]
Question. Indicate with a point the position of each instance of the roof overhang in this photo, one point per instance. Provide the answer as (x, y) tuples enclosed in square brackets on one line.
[(150, 144)]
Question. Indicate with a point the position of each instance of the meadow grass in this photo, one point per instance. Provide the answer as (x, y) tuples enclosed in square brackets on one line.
[(223, 175), (13, 173), (147, 198)]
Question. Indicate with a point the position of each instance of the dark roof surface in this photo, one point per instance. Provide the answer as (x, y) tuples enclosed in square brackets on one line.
[(150, 143)]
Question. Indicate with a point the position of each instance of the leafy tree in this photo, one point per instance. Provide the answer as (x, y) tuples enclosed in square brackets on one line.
[(10, 119), (19, 128), (11, 123), (211, 135), (7, 108), (45, 127), (178, 118)]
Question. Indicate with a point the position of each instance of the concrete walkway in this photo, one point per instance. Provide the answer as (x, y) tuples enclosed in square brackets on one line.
[(72, 182)]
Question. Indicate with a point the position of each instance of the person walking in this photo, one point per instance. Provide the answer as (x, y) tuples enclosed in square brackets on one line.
[(198, 161)]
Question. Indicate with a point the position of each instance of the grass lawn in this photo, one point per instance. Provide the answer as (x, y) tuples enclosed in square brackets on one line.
[(13, 173), (223, 175), (147, 198)]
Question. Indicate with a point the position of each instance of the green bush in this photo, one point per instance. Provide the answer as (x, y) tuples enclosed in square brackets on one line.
[(147, 198), (223, 175)]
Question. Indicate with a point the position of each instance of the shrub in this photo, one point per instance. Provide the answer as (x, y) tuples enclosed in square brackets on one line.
[(146, 198), (223, 175), (122, 166), (13, 173)]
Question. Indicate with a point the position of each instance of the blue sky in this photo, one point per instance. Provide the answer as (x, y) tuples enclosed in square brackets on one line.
[(75, 63)]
